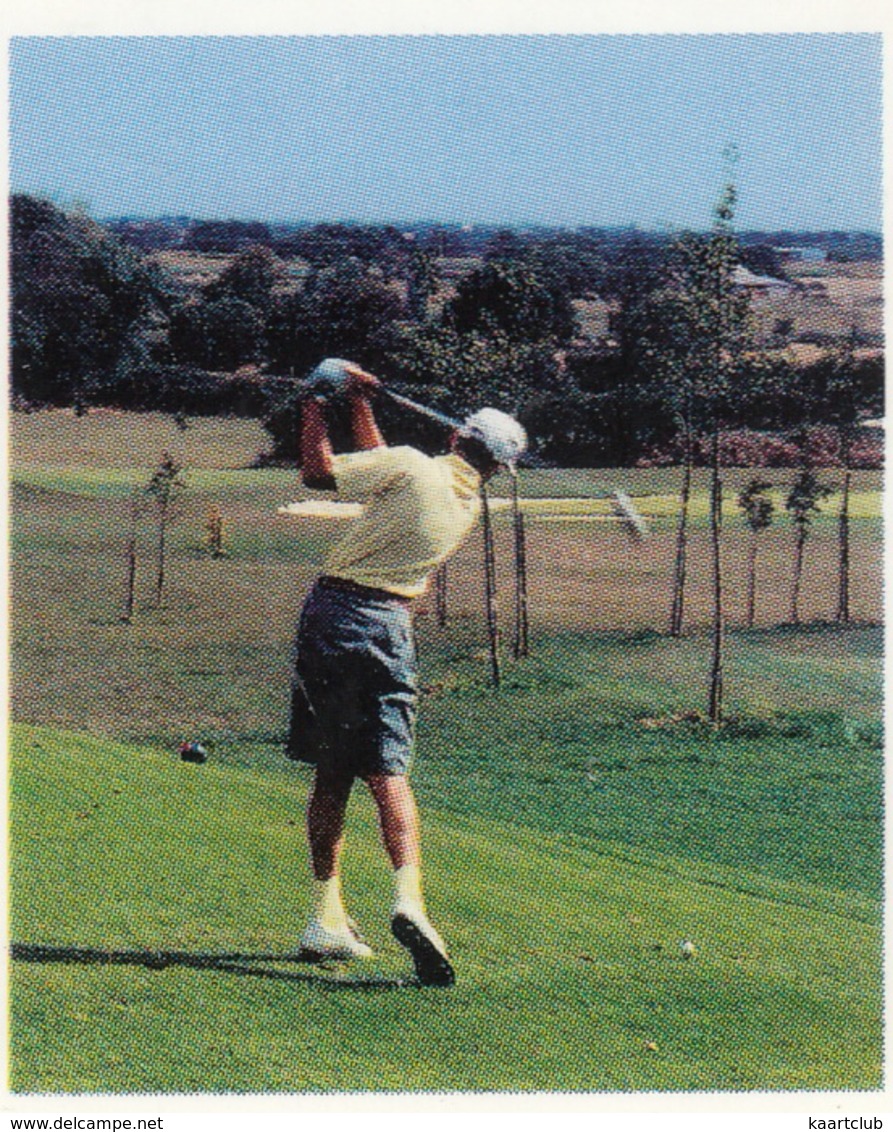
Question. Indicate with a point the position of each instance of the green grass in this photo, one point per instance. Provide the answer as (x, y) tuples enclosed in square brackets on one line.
[(116, 483), (579, 823), (567, 953), (569, 495), (106, 438), (592, 739)]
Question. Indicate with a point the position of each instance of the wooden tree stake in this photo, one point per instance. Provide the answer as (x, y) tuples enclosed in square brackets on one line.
[(490, 592), (521, 644)]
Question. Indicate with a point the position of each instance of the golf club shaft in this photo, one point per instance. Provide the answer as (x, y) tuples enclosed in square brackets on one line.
[(408, 403), (629, 516), (632, 521), (432, 414)]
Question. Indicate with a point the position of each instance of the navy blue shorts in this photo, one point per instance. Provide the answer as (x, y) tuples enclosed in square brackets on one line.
[(354, 685)]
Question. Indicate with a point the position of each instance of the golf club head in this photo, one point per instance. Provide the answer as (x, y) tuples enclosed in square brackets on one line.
[(632, 521)]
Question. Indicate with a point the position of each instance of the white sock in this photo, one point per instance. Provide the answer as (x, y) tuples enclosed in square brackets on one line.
[(330, 909), (408, 886), (408, 880)]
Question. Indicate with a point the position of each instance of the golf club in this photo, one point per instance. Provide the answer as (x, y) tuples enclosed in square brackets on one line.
[(624, 508), (328, 378)]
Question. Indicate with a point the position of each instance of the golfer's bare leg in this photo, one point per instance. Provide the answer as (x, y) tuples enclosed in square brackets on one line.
[(399, 821), (329, 932), (399, 818), (325, 824)]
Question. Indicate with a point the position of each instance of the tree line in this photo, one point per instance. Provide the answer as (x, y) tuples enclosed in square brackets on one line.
[(97, 321), (324, 243)]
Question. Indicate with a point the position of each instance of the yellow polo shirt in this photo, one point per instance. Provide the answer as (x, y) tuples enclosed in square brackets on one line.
[(417, 510)]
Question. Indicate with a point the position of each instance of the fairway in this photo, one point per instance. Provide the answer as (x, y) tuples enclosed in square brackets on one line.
[(568, 951), (580, 823)]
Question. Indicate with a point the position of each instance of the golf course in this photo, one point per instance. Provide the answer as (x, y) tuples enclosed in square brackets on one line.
[(581, 822)]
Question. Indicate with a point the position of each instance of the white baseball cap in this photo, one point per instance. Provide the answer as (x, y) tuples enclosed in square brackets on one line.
[(502, 436)]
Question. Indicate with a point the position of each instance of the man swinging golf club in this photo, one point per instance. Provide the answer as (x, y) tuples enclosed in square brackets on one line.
[(354, 679)]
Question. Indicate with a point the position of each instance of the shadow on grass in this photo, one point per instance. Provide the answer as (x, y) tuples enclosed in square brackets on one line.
[(231, 964)]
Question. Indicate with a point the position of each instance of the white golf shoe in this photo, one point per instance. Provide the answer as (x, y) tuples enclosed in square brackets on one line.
[(319, 943), (413, 929)]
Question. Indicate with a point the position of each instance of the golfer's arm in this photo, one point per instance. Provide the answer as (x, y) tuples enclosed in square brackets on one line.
[(366, 433), (316, 448)]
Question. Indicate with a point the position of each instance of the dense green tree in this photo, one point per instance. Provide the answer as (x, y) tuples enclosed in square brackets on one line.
[(509, 297), (324, 245), (77, 294), (220, 334), (575, 262), (763, 259), (150, 235), (422, 280), (633, 409), (474, 368), (225, 235), (291, 345), (346, 310), (571, 428), (252, 277), (505, 246)]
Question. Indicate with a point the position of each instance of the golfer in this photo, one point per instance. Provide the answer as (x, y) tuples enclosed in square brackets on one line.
[(354, 678)]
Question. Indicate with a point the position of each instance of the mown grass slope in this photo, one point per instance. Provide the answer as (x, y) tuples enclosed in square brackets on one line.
[(135, 877)]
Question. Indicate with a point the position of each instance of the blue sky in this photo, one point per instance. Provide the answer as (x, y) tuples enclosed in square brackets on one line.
[(599, 130)]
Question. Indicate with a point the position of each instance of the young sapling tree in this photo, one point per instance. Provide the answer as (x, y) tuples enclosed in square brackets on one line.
[(802, 504), (758, 507), (165, 487)]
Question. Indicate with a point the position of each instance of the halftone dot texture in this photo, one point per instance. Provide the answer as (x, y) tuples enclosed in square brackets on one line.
[(580, 822)]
